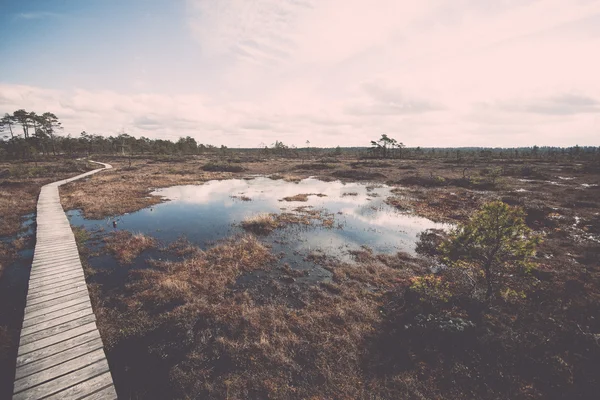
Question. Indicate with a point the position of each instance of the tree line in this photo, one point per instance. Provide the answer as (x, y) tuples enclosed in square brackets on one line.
[(28, 135)]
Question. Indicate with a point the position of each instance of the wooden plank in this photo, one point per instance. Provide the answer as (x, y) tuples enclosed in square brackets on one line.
[(55, 322), (73, 265), (47, 263), (47, 246), (56, 329), (57, 385), (54, 308), (60, 351), (90, 387), (44, 278), (57, 348), (56, 314), (40, 344), (59, 269), (55, 286), (65, 356), (58, 370), (55, 254), (31, 301), (48, 304), (108, 393), (45, 281)]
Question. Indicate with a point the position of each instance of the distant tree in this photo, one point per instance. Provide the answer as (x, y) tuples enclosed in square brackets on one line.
[(495, 241), (279, 148), (49, 125), (22, 118), (384, 145), (7, 122)]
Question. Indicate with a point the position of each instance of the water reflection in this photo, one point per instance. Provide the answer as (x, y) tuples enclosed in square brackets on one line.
[(212, 211)]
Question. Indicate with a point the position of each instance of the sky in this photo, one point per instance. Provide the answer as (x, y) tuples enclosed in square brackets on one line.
[(493, 73)]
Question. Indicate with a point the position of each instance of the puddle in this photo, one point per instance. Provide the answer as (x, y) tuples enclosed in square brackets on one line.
[(13, 291), (207, 213)]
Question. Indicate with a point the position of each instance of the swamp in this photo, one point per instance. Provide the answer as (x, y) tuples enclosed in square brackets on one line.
[(264, 276)]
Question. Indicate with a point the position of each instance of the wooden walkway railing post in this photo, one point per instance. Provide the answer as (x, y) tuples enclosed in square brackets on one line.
[(61, 355)]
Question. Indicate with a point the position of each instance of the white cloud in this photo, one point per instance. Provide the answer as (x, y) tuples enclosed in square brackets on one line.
[(435, 72)]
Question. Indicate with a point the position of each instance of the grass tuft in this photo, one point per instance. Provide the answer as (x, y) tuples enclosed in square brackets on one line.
[(126, 246), (261, 224)]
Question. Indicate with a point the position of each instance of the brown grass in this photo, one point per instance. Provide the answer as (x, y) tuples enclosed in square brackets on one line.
[(438, 205), (302, 197), (260, 223), (126, 246), (21, 183), (223, 343), (263, 224)]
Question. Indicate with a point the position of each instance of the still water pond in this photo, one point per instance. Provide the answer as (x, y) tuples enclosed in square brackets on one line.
[(207, 213)]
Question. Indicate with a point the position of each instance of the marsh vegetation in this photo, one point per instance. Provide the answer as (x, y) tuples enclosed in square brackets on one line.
[(362, 279)]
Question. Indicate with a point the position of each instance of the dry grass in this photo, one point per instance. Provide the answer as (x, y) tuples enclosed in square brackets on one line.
[(20, 187), (225, 343), (287, 177), (302, 197), (439, 205), (126, 246), (261, 224)]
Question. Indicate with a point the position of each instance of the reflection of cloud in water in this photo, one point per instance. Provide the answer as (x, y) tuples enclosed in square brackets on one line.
[(365, 220), (393, 220)]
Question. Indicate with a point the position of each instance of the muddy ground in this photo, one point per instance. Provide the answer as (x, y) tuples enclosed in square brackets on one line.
[(200, 333)]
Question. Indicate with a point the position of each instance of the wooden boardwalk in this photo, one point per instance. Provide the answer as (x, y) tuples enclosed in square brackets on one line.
[(61, 355)]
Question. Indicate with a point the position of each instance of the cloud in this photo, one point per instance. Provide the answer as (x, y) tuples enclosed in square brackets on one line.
[(386, 100), (565, 104), (37, 15), (434, 72)]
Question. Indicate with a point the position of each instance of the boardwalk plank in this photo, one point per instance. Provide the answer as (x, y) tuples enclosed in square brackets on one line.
[(40, 344), (44, 281), (36, 312), (56, 322), (59, 269), (95, 385), (108, 393), (56, 314), (56, 348), (54, 295), (60, 351), (56, 329), (55, 286), (65, 356), (48, 304), (65, 382)]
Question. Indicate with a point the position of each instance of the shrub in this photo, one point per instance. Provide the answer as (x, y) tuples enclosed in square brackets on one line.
[(431, 288), (495, 241)]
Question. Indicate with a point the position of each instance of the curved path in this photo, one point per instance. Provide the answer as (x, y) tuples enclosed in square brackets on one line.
[(61, 355)]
